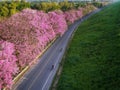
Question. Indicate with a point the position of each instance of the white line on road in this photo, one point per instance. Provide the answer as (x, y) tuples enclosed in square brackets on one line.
[(46, 81), (51, 73)]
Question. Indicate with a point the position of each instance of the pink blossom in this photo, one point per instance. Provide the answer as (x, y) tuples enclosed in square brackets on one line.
[(26, 34), (58, 22), (8, 66), (73, 15)]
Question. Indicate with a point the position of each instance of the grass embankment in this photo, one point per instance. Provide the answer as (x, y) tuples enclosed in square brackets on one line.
[(92, 61)]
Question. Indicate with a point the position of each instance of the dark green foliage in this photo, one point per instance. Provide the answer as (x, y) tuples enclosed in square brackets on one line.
[(9, 8), (36, 6), (97, 4), (4, 11), (64, 6), (77, 5), (22, 5), (92, 61), (47, 6)]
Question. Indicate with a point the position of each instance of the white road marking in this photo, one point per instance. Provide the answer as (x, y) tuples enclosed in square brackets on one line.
[(51, 73)]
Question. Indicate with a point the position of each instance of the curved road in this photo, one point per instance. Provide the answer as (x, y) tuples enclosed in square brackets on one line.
[(41, 75)]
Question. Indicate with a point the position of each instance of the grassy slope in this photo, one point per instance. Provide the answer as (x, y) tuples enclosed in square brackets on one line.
[(93, 59)]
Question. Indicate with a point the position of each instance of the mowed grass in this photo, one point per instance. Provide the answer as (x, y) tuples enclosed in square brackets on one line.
[(92, 61)]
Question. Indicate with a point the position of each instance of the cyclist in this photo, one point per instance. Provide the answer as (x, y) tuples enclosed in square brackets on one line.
[(52, 67)]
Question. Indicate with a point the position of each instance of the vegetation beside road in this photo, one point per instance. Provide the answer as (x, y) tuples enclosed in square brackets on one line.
[(25, 35), (8, 8), (92, 61)]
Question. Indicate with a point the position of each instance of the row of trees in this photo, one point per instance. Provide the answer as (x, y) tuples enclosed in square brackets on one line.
[(10, 8), (25, 35)]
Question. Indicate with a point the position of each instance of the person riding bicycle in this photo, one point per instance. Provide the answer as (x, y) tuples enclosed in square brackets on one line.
[(52, 67)]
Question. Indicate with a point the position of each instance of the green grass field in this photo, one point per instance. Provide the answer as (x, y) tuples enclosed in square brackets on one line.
[(92, 61)]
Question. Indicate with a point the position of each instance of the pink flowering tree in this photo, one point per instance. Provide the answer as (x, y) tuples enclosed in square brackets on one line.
[(58, 22), (30, 31), (73, 15), (17, 30), (8, 66), (26, 34)]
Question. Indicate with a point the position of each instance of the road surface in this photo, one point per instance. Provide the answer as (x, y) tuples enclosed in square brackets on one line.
[(41, 75)]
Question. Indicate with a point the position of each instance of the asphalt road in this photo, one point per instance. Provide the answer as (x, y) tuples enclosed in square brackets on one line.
[(41, 75)]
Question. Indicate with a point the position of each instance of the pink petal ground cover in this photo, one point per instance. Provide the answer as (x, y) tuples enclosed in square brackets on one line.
[(26, 34)]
